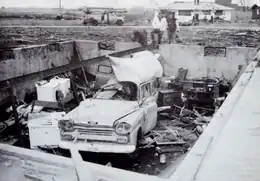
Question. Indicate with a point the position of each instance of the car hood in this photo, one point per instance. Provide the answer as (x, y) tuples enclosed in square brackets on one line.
[(101, 112)]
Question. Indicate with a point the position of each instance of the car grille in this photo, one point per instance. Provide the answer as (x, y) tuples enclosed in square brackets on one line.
[(95, 132)]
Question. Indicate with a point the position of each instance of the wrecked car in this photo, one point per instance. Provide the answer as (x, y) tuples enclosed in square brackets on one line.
[(120, 113)]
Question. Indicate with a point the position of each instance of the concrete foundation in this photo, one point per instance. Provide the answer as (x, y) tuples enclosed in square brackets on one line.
[(22, 61), (192, 58), (31, 59)]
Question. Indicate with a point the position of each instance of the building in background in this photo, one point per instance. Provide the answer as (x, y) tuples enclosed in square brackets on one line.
[(186, 10), (255, 11)]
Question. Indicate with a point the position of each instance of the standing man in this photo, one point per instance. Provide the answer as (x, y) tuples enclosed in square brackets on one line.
[(173, 27), (212, 19), (159, 26)]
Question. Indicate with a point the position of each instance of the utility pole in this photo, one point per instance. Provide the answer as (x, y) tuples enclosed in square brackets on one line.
[(60, 7)]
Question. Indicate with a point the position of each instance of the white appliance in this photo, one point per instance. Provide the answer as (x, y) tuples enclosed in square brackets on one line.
[(64, 84), (44, 130), (46, 91)]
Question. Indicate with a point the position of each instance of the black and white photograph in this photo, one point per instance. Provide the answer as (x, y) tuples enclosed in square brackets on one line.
[(120, 90)]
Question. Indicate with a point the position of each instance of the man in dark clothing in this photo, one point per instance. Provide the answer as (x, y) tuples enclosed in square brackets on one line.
[(212, 19), (173, 27), (140, 37)]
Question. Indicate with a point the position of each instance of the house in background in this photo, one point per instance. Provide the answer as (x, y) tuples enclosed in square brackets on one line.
[(186, 10), (255, 11)]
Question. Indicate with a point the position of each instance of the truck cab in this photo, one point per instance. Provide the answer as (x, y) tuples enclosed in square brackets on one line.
[(120, 113)]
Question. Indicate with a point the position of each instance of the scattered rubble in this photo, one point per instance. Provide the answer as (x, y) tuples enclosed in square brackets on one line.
[(185, 109), (204, 37)]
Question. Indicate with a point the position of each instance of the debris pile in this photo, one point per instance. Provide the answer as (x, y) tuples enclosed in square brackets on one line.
[(180, 122), (204, 37), (185, 110)]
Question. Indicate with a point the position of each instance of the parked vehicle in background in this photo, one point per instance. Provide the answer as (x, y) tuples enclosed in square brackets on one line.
[(104, 18), (95, 17), (185, 20)]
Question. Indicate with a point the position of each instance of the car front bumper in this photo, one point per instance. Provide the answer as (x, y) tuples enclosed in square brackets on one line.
[(98, 147)]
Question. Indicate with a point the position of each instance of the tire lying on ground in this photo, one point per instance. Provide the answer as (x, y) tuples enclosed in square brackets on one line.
[(119, 22), (91, 21), (94, 22)]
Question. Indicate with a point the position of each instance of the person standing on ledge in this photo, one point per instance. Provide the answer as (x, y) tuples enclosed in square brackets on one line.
[(173, 27), (159, 26)]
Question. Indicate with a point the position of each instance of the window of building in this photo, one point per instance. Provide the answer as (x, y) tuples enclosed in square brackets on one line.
[(219, 12), (184, 12), (206, 12)]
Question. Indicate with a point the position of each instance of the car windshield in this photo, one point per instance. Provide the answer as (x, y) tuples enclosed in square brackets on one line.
[(118, 91)]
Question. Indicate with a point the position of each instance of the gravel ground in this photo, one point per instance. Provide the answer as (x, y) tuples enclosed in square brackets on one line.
[(200, 36)]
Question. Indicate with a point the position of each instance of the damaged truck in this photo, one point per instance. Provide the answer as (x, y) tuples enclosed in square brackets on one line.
[(117, 116)]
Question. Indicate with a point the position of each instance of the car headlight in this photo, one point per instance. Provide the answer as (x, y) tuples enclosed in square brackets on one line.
[(122, 128), (66, 125)]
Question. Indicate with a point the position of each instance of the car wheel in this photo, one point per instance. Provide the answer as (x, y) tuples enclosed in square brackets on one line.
[(136, 153), (94, 22), (119, 22)]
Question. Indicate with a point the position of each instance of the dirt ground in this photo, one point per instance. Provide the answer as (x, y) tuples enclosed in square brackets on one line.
[(16, 36)]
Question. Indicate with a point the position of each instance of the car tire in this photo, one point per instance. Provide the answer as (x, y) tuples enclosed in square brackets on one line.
[(136, 153), (94, 22), (119, 22)]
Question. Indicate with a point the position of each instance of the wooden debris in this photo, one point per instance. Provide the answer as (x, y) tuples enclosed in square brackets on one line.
[(182, 74), (198, 115), (199, 129), (171, 143), (160, 109)]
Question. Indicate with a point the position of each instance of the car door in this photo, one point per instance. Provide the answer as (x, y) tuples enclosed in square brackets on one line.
[(103, 75), (149, 106)]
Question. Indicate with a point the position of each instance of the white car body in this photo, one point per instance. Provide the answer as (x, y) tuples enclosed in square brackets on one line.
[(110, 122), (185, 20)]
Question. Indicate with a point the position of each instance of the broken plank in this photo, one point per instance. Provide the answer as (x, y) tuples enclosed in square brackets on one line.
[(171, 143)]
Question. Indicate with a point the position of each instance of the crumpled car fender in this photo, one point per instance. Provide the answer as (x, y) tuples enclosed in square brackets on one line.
[(135, 119)]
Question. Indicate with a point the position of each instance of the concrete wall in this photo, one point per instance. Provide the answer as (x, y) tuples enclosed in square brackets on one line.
[(34, 59), (192, 57), (22, 61)]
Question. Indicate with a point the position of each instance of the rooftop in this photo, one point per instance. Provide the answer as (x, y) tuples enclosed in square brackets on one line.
[(191, 6)]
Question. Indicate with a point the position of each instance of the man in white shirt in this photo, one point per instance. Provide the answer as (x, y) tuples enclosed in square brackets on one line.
[(159, 26)]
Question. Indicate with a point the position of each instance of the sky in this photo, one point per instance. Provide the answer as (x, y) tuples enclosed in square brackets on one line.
[(80, 3), (246, 2), (74, 3)]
